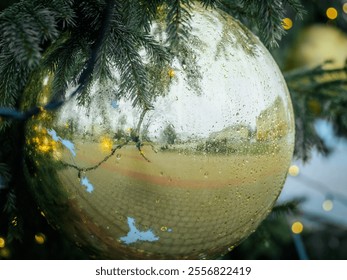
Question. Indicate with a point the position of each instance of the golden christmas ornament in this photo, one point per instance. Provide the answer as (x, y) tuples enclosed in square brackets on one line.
[(317, 44), (187, 179)]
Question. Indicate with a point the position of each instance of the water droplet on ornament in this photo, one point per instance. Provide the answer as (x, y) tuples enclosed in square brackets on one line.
[(202, 256), (163, 228), (118, 156)]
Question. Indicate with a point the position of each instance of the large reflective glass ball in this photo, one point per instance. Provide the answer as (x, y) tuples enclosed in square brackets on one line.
[(187, 178)]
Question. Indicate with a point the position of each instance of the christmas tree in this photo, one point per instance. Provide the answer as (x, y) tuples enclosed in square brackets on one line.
[(53, 53)]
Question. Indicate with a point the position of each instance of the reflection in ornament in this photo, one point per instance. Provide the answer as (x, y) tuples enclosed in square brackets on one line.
[(114, 104), (135, 235), (199, 169), (68, 144), (85, 182)]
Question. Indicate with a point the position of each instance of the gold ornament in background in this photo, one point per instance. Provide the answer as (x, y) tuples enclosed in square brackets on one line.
[(189, 178), (317, 44)]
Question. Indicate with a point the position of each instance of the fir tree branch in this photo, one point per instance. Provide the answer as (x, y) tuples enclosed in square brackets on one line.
[(289, 207), (63, 10), (317, 93), (85, 77), (99, 60), (297, 7), (210, 3), (5, 174), (139, 15), (178, 26), (24, 27), (263, 17)]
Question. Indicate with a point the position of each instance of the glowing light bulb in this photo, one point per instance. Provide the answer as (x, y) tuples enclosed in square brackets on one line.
[(2, 242), (5, 253), (287, 23), (344, 8), (45, 81), (331, 13), (297, 227), (328, 205), (294, 170), (40, 238), (106, 144), (171, 73)]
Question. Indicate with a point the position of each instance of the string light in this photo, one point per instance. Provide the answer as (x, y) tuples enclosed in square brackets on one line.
[(344, 8), (45, 81), (287, 23), (40, 238), (331, 13), (294, 170), (106, 144), (328, 205), (171, 73), (14, 222), (2, 242), (5, 253), (297, 227)]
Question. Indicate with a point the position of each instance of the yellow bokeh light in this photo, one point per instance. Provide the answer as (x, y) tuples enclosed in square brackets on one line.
[(297, 227), (5, 253), (331, 13), (40, 238), (294, 170), (163, 228), (43, 148), (287, 23), (106, 144), (328, 205), (45, 81), (171, 73), (2, 242), (344, 8), (14, 222)]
